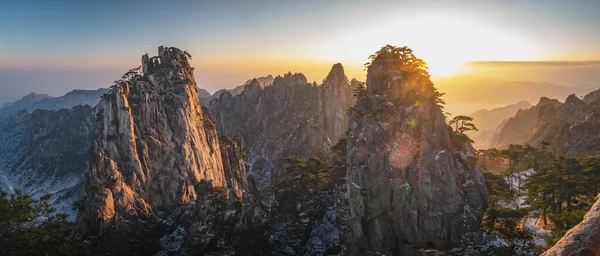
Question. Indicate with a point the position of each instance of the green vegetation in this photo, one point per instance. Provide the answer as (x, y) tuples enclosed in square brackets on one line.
[(360, 91), (301, 175), (558, 189), (402, 57), (563, 192), (459, 125), (30, 226), (463, 124)]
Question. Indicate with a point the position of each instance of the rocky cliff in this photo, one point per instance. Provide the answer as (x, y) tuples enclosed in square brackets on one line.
[(153, 145), (47, 152), (570, 127), (288, 118), (410, 184)]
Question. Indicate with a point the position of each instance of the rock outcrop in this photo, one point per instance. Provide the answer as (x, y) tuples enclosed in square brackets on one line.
[(288, 118), (47, 152), (153, 145), (411, 184), (583, 239)]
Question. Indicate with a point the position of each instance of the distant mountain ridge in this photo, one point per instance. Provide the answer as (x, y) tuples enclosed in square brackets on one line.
[(34, 101), (488, 121), (487, 92), (571, 127), (262, 81)]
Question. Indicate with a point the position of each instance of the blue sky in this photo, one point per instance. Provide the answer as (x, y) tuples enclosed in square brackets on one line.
[(235, 40)]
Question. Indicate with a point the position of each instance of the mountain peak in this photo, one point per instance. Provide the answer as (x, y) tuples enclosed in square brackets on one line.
[(35, 96), (168, 57), (290, 79), (574, 100), (592, 97), (547, 101), (406, 152), (336, 75)]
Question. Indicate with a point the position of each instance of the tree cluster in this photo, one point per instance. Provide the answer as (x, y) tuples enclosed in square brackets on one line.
[(564, 191), (406, 66), (402, 57), (30, 226), (557, 189), (301, 175)]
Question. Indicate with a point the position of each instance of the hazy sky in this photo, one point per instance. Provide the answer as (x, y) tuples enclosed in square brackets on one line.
[(55, 46)]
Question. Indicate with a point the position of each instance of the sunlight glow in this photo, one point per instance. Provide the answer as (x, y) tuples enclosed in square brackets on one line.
[(445, 42)]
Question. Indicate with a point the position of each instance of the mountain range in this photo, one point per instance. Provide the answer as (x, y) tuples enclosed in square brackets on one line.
[(278, 165)]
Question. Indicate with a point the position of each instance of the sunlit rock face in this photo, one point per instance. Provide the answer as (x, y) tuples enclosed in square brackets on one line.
[(152, 146), (409, 184), (583, 239), (46, 152), (291, 117)]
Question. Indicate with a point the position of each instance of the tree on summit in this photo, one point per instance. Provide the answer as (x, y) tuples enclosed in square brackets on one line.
[(402, 56)]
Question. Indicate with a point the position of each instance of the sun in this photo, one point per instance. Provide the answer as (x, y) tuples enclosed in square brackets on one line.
[(439, 67), (445, 42)]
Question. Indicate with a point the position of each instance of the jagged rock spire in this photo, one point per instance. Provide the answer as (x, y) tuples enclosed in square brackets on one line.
[(154, 144)]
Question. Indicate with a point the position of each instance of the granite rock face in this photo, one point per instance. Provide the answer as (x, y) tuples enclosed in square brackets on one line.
[(410, 184), (153, 145), (46, 152), (288, 118), (583, 239)]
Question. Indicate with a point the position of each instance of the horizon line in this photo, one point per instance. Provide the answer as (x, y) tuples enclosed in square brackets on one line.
[(534, 63)]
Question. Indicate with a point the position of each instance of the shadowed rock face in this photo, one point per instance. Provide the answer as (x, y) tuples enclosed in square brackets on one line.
[(288, 118), (153, 145), (46, 152), (409, 183)]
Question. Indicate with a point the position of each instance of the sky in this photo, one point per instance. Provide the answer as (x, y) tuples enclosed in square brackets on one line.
[(55, 46)]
